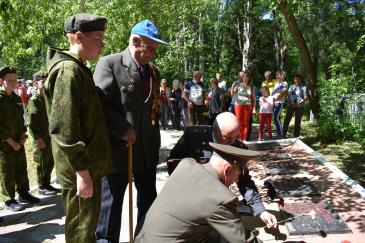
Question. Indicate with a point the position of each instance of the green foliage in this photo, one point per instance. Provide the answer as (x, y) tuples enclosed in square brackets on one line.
[(204, 34), (332, 126)]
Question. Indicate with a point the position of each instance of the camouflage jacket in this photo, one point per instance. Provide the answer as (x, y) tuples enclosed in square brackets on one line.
[(11, 120), (76, 121), (37, 117)]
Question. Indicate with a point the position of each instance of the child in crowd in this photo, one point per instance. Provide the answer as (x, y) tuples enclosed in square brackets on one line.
[(266, 106)]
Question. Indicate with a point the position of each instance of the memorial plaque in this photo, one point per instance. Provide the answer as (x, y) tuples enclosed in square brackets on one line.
[(281, 167), (324, 221), (264, 146), (275, 155), (291, 186)]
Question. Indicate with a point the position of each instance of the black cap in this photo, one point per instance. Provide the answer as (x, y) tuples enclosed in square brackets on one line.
[(6, 70), (85, 22), (39, 75), (232, 154)]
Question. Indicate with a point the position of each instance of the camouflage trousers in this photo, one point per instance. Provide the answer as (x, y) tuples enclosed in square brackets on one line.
[(13, 173), (81, 214), (45, 163)]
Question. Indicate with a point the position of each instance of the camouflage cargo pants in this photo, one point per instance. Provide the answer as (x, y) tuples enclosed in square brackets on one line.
[(13, 173), (45, 163), (81, 214)]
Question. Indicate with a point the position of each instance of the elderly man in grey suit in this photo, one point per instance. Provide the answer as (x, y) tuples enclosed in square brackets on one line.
[(129, 88), (196, 199)]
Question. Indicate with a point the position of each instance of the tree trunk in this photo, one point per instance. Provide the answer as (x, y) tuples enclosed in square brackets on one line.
[(185, 59), (246, 34), (201, 44), (280, 47), (307, 61)]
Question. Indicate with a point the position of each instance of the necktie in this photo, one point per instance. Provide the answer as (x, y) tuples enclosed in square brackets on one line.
[(144, 73)]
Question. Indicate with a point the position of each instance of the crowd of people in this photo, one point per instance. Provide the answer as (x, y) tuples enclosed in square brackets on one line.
[(190, 102), (82, 123)]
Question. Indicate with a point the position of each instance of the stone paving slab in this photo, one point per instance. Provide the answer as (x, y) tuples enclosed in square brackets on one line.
[(35, 224)]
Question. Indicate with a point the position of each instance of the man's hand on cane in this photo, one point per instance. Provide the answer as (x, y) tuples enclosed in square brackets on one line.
[(40, 143), (129, 137)]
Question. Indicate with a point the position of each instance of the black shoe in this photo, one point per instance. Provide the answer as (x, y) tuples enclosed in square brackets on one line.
[(27, 198), (13, 205), (1, 219), (48, 190)]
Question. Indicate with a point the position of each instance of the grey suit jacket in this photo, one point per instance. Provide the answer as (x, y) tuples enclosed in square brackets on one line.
[(192, 203), (125, 105)]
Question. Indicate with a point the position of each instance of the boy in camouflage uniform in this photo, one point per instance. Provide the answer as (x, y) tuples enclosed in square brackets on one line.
[(38, 128), (80, 144), (13, 165)]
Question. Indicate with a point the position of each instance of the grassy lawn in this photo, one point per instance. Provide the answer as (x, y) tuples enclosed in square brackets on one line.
[(348, 156)]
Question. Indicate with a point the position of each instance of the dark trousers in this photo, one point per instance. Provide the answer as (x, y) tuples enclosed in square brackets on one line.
[(212, 117), (298, 111), (277, 110), (196, 115), (13, 174), (44, 161), (113, 189), (176, 119), (231, 108), (81, 214), (164, 115)]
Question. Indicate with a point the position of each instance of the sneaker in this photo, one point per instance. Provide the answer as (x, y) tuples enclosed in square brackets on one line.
[(28, 198), (13, 205), (48, 190)]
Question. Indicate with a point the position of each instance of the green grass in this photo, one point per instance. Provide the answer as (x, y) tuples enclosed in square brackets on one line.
[(348, 156)]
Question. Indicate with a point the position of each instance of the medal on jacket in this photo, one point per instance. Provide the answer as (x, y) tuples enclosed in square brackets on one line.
[(130, 86), (155, 92)]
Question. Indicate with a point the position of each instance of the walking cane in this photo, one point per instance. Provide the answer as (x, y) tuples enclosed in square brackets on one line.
[(130, 173)]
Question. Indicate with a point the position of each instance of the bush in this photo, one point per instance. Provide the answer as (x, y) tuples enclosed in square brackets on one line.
[(360, 137), (334, 131), (333, 125)]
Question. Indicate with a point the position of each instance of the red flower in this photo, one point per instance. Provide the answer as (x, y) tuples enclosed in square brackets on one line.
[(281, 201)]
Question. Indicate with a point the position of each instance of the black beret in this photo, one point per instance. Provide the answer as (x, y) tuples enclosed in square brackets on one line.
[(39, 75), (85, 22), (6, 70)]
